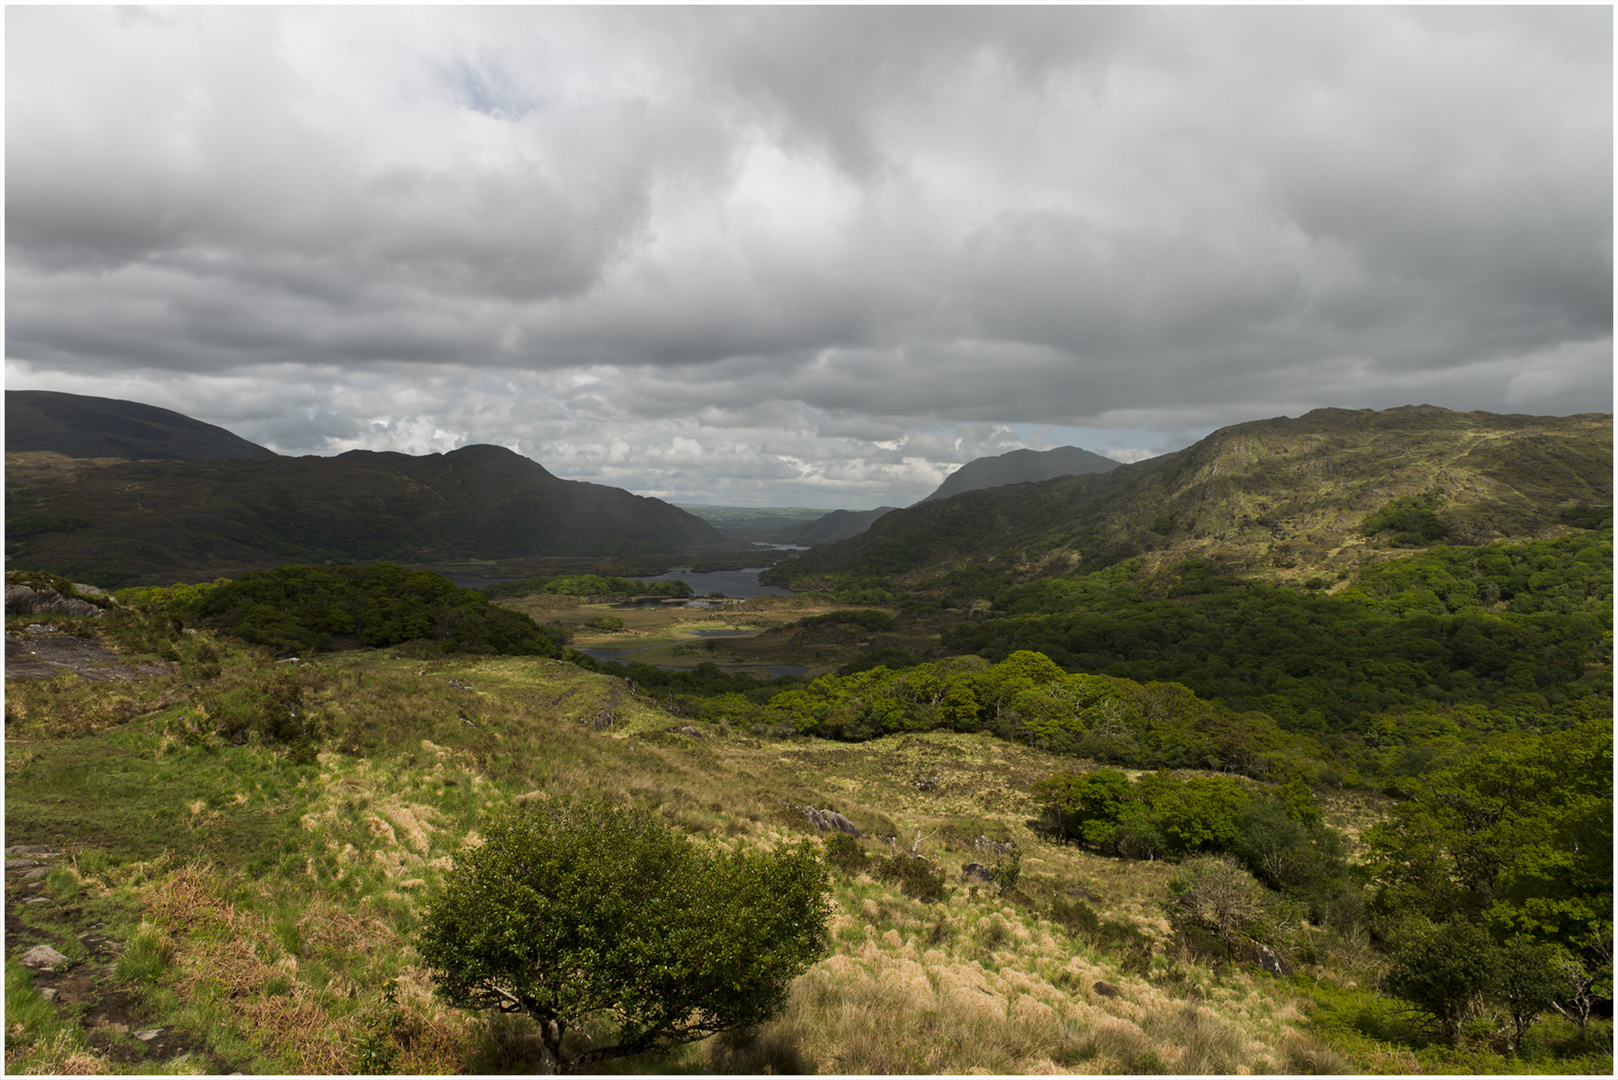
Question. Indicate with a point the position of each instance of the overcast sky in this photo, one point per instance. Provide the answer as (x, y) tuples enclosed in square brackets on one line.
[(805, 256)]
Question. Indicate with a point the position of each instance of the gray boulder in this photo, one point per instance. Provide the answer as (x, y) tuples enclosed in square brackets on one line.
[(42, 956)]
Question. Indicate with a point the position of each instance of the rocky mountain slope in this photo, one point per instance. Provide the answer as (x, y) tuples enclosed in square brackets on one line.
[(164, 521), (77, 426), (1286, 498)]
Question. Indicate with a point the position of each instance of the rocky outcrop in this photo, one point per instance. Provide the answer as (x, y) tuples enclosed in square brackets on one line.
[(828, 820), (24, 600)]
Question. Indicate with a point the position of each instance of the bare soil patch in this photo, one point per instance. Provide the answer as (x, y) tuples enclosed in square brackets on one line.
[(42, 652)]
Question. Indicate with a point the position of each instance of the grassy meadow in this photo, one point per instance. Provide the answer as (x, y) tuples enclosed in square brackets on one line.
[(257, 902)]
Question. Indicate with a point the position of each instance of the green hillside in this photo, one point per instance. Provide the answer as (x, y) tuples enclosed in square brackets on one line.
[(1285, 499), (240, 856)]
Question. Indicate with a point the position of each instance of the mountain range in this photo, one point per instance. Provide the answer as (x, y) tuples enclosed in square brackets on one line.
[(166, 520), (837, 525), (1286, 498)]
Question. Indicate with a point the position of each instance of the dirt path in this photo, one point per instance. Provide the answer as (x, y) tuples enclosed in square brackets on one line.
[(118, 1024)]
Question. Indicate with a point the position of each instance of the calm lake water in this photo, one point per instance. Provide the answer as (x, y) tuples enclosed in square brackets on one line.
[(737, 584)]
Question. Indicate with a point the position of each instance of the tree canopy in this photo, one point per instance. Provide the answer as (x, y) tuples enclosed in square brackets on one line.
[(582, 914), (314, 607)]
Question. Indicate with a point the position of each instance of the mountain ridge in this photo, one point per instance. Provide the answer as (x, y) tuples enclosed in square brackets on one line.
[(1282, 497), (159, 519), (80, 426)]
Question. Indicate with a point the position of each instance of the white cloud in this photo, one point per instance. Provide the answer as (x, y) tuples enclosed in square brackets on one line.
[(774, 254)]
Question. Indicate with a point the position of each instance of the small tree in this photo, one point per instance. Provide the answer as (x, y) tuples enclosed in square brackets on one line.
[(1526, 983), (578, 912), (1214, 893), (1445, 971)]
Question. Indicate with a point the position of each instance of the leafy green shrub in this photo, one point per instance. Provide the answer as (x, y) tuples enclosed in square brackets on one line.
[(1006, 871), (917, 878), (1444, 971), (582, 913), (845, 853), (1526, 983), (269, 705), (605, 622), (1414, 519)]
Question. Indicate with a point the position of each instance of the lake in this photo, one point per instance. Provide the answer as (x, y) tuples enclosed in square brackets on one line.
[(736, 584)]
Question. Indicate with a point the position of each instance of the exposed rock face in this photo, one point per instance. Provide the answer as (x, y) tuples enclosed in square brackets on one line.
[(826, 820), (976, 870), (1268, 959), (22, 600)]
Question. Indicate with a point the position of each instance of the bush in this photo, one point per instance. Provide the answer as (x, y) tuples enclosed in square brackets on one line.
[(310, 608), (1444, 971), (579, 912), (916, 878), (1006, 872), (1526, 983), (1216, 895), (845, 853)]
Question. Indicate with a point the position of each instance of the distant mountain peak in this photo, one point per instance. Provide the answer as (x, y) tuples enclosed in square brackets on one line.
[(1019, 467)]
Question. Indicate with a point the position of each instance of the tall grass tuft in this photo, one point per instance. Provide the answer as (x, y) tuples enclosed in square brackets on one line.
[(754, 1053), (1208, 1048), (1305, 1055)]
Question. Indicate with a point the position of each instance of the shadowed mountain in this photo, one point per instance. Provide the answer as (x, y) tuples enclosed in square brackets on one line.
[(76, 426), (165, 521), (1016, 467), (837, 525), (1287, 498), (1019, 467)]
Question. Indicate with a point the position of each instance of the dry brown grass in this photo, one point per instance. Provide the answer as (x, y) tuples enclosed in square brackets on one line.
[(234, 958), (63, 1055)]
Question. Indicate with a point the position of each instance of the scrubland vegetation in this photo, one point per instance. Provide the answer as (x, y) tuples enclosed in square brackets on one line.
[(1165, 821)]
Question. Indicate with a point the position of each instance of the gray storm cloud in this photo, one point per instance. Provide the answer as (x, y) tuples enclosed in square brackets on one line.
[(773, 255)]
